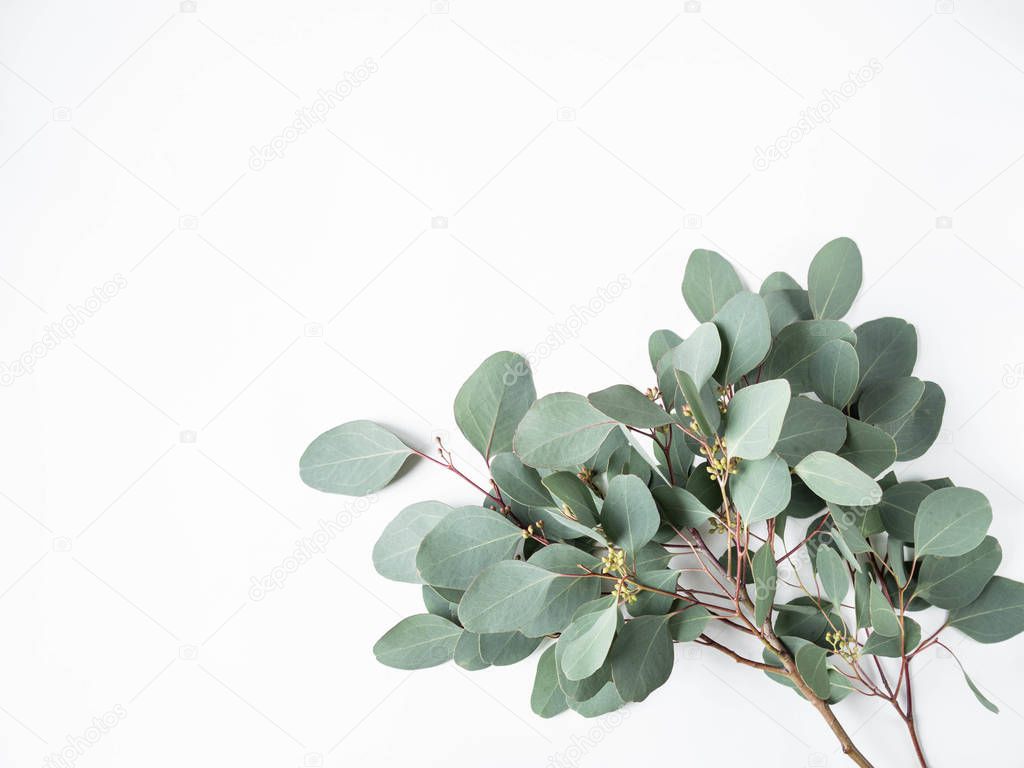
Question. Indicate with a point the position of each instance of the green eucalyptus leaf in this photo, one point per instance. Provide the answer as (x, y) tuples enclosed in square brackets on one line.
[(698, 355), (463, 543), (755, 418), (642, 657), (862, 599), (765, 581), (796, 346), (809, 426), (650, 603), (560, 431), (835, 372), (419, 641), (779, 281), (868, 448), (760, 489), (661, 342), (567, 593), (467, 652), (547, 699), (804, 618), (982, 699), (746, 336), (834, 278), (680, 507), (506, 648), (688, 622), (705, 418), (519, 482), (628, 405), (786, 307), (883, 618), (837, 480), (629, 515), (709, 281), (996, 615), (915, 434), (899, 507), (394, 554), (601, 703), (953, 582), (811, 662), (886, 348), (584, 646), (355, 459), (832, 572), (574, 494), (504, 597), (494, 399), (890, 401), (951, 521), (894, 646)]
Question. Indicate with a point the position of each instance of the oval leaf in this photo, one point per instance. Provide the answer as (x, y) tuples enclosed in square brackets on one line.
[(356, 459), (834, 278), (629, 515), (951, 521), (760, 489), (755, 419), (746, 336), (416, 642), (394, 554), (465, 542), (560, 431), (837, 480), (493, 400), (709, 281)]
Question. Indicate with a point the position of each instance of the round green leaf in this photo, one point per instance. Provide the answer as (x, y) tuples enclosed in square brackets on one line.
[(755, 419), (834, 373), (356, 459), (786, 307), (709, 281), (868, 448), (997, 614), (567, 593), (583, 647), (899, 507), (836, 480), (416, 642), (661, 342), (809, 426), (519, 482), (760, 489), (951, 521), (953, 582), (886, 348), (834, 278), (680, 507), (779, 281), (832, 571), (572, 492), (698, 355), (746, 336), (467, 652), (504, 597), (796, 346), (628, 405), (642, 657), (629, 515), (491, 403), (915, 434), (505, 648), (547, 699), (688, 622), (394, 554), (463, 543), (889, 646), (883, 618), (560, 431), (890, 401)]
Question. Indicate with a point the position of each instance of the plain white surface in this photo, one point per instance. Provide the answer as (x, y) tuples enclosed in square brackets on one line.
[(149, 466)]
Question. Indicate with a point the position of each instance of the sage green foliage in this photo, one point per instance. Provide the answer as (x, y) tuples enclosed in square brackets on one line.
[(776, 421)]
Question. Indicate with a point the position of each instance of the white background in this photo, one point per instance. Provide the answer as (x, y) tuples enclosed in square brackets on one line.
[(149, 466)]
